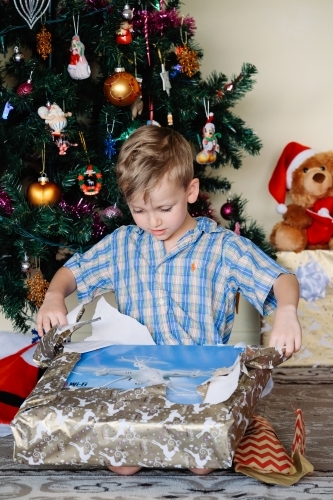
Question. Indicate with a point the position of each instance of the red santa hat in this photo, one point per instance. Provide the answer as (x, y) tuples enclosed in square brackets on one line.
[(292, 157), (210, 118)]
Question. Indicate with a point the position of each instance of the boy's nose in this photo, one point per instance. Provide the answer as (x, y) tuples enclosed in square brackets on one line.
[(154, 220)]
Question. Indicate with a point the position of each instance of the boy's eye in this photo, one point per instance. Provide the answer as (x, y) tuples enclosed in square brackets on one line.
[(137, 211), (166, 209)]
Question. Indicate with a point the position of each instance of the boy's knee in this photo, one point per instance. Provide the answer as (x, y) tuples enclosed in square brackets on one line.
[(124, 471), (201, 472)]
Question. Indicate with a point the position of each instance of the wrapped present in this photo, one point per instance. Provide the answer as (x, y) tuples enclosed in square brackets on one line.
[(140, 414), (314, 270)]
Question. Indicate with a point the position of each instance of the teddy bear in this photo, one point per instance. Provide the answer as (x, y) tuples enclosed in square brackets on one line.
[(307, 221)]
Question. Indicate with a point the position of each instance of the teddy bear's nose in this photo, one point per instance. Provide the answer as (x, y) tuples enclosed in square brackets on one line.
[(319, 178)]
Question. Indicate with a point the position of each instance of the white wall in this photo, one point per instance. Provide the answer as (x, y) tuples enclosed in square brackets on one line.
[(291, 44)]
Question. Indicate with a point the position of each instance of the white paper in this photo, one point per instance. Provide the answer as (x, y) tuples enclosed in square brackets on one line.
[(72, 315), (223, 386), (82, 347), (117, 328)]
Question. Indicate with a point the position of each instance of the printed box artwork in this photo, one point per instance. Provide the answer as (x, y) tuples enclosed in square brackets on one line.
[(314, 270), (180, 368), (154, 406)]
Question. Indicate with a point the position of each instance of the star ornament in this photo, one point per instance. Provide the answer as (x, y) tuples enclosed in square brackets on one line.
[(165, 80)]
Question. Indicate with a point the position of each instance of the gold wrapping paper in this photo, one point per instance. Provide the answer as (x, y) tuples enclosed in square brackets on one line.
[(140, 426), (316, 317)]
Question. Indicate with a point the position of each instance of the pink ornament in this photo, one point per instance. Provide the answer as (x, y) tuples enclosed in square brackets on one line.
[(145, 30), (112, 212), (24, 89), (227, 210)]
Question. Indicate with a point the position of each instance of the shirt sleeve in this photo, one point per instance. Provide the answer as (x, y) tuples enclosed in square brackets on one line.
[(251, 272), (93, 269)]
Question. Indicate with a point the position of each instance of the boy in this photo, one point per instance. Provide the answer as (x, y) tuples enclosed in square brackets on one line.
[(177, 275)]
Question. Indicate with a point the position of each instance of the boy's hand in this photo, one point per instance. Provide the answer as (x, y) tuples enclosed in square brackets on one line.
[(52, 312), (286, 330)]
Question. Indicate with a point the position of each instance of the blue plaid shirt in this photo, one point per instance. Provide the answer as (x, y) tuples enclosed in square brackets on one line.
[(186, 296)]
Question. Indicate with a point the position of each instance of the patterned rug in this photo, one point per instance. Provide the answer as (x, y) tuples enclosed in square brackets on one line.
[(157, 484)]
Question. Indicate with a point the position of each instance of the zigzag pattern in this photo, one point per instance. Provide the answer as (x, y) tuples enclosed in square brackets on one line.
[(299, 437), (261, 449)]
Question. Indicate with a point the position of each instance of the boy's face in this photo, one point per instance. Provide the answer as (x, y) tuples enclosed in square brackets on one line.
[(164, 214)]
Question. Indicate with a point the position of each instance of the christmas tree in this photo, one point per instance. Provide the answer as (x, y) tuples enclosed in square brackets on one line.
[(68, 107)]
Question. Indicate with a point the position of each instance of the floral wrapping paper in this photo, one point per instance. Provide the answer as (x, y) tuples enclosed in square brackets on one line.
[(100, 427), (314, 269)]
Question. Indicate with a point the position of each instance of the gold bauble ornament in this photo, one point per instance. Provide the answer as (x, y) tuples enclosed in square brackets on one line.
[(43, 192), (121, 88)]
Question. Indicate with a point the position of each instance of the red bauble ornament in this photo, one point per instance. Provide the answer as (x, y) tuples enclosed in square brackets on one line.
[(227, 210), (25, 88), (124, 34), (121, 88)]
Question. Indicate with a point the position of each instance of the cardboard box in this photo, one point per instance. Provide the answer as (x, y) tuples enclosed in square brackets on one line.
[(315, 311), (140, 425)]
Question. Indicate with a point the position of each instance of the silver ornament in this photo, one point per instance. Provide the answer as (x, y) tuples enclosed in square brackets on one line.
[(17, 57), (31, 10), (25, 265), (127, 13)]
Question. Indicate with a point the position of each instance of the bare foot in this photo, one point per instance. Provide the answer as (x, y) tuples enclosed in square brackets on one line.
[(201, 472), (124, 471)]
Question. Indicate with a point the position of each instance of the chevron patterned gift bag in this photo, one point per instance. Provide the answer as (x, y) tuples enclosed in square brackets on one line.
[(260, 453)]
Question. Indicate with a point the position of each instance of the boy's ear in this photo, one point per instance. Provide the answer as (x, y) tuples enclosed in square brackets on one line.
[(193, 191)]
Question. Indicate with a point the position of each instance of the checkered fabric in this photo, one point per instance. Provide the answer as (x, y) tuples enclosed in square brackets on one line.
[(185, 296)]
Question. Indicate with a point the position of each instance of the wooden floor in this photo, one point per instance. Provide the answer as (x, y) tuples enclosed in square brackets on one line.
[(312, 391)]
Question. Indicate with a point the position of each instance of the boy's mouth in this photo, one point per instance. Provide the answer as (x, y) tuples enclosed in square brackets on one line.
[(157, 232)]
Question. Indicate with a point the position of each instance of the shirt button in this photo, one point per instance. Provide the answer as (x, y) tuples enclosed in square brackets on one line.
[(161, 301)]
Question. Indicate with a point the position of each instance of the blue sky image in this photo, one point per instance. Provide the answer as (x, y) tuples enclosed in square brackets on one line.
[(182, 368)]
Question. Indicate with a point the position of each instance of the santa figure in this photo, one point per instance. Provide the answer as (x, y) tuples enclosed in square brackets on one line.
[(54, 117), (78, 67)]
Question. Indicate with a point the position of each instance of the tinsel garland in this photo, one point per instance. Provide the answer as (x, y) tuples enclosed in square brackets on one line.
[(82, 208), (159, 21), (5, 203)]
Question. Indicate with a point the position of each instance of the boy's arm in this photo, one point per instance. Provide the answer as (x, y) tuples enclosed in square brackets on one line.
[(53, 310), (286, 330)]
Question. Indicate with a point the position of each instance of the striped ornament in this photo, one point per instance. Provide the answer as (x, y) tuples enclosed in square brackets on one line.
[(299, 436)]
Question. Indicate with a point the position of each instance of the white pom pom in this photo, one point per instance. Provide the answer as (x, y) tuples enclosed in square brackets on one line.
[(324, 212), (281, 208)]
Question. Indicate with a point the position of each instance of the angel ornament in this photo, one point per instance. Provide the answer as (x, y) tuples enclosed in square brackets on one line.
[(78, 67)]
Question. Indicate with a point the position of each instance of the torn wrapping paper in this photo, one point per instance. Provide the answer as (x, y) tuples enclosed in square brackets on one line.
[(139, 426), (117, 328)]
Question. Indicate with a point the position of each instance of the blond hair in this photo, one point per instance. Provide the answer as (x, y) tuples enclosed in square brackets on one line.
[(150, 154)]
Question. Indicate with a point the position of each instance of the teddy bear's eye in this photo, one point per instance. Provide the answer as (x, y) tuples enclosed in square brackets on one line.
[(305, 170), (322, 167)]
